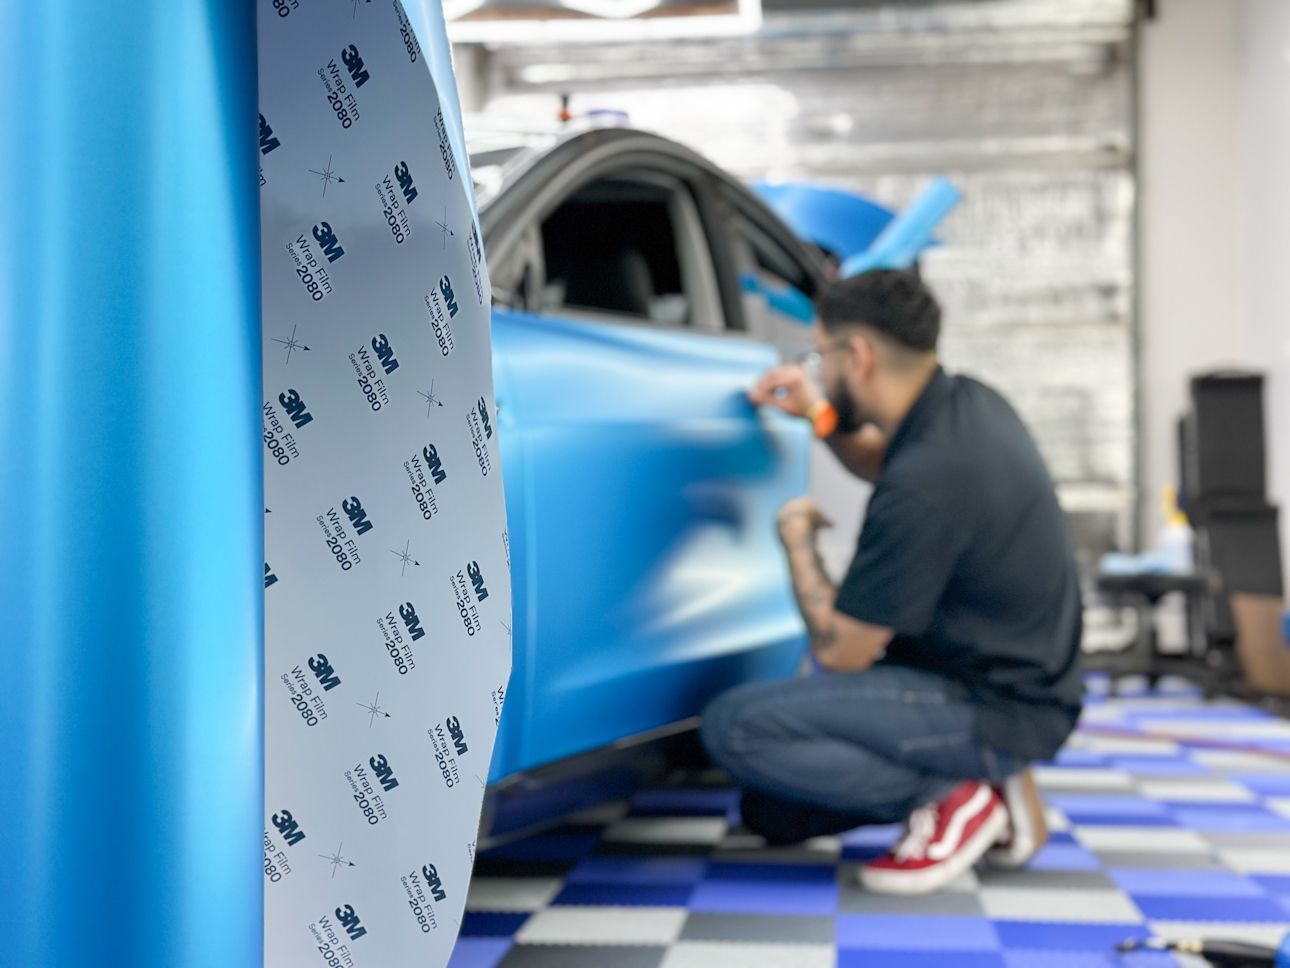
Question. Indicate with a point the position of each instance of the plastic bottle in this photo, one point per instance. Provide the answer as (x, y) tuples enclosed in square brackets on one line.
[(1176, 540)]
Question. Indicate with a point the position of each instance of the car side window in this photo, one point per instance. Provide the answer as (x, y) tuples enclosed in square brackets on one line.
[(629, 246), (776, 309)]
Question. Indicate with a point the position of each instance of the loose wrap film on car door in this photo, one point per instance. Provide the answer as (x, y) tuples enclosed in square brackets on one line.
[(387, 590)]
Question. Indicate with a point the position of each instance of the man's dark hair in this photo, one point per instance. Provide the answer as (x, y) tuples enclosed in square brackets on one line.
[(892, 301)]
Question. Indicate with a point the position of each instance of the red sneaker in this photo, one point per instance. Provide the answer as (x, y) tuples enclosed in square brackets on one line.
[(1027, 828), (942, 841)]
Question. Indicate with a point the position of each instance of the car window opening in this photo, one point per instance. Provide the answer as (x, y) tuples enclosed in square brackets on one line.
[(613, 247)]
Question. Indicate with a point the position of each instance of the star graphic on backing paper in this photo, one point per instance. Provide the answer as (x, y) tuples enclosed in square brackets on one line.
[(431, 400), (292, 344), (328, 175), (374, 708), (443, 227), (337, 860), (405, 558), (356, 3)]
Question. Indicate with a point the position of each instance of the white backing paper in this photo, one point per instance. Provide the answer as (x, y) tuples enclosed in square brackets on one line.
[(387, 590)]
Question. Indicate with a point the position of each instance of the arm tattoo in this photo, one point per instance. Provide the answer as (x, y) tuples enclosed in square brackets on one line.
[(815, 593)]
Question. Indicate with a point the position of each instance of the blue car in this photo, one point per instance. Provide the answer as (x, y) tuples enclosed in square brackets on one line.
[(638, 293)]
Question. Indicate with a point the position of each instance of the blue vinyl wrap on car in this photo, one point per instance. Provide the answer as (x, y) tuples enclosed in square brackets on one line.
[(641, 491)]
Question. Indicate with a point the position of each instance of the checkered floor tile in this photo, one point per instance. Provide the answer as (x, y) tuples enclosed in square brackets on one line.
[(1171, 817)]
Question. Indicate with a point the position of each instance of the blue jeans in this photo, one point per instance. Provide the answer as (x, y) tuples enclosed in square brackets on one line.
[(834, 751)]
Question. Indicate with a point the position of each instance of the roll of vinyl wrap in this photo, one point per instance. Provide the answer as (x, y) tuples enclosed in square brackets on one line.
[(130, 597), (387, 592)]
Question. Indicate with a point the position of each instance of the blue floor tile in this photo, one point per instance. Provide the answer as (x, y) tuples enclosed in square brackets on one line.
[(658, 871), (1266, 784), (685, 802), (878, 835), (1273, 883), (1066, 937), (1151, 766), (1088, 959), (764, 897), (1120, 820), (911, 933), (1228, 818), (479, 952), (481, 924), (772, 873), (558, 844), (625, 895), (1075, 758), (1064, 857), (1224, 714), (1263, 909), (1195, 883), (1114, 804), (903, 958)]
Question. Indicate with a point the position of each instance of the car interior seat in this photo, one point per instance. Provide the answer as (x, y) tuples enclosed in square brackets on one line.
[(618, 281)]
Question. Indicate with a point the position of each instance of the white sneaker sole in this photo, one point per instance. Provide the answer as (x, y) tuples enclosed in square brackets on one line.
[(1021, 797), (942, 875)]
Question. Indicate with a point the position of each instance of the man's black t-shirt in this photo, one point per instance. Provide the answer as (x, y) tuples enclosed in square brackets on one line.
[(965, 554)]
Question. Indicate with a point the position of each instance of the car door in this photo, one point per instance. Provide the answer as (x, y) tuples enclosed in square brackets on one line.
[(641, 485)]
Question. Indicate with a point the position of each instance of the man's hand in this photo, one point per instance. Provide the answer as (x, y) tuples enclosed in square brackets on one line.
[(788, 388), (800, 518)]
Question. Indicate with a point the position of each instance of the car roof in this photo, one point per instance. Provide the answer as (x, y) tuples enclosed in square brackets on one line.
[(501, 150)]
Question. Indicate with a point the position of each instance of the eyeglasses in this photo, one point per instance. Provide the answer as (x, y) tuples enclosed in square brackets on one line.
[(812, 361)]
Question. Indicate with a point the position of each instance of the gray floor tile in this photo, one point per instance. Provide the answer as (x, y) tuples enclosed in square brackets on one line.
[(756, 927), (1158, 860), (578, 956), (824, 851), (668, 830), (1040, 880), (854, 899)]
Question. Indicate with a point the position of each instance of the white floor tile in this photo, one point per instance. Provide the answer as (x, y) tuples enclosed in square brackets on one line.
[(1123, 745), (603, 925), (1066, 778), (1083, 906), (720, 954), (1256, 860), (1141, 839), (1201, 790), (1238, 761)]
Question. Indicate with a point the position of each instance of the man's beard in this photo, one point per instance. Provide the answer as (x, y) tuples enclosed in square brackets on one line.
[(850, 419)]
